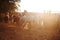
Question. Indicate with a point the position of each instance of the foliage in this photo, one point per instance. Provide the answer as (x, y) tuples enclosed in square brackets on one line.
[(8, 5)]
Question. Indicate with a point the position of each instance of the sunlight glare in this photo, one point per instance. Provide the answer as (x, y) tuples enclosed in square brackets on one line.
[(40, 5)]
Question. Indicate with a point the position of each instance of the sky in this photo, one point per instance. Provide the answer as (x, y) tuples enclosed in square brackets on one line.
[(40, 5)]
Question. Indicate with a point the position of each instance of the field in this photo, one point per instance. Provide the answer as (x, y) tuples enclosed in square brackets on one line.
[(35, 27)]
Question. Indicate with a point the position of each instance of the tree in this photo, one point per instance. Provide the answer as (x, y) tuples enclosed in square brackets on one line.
[(8, 5)]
